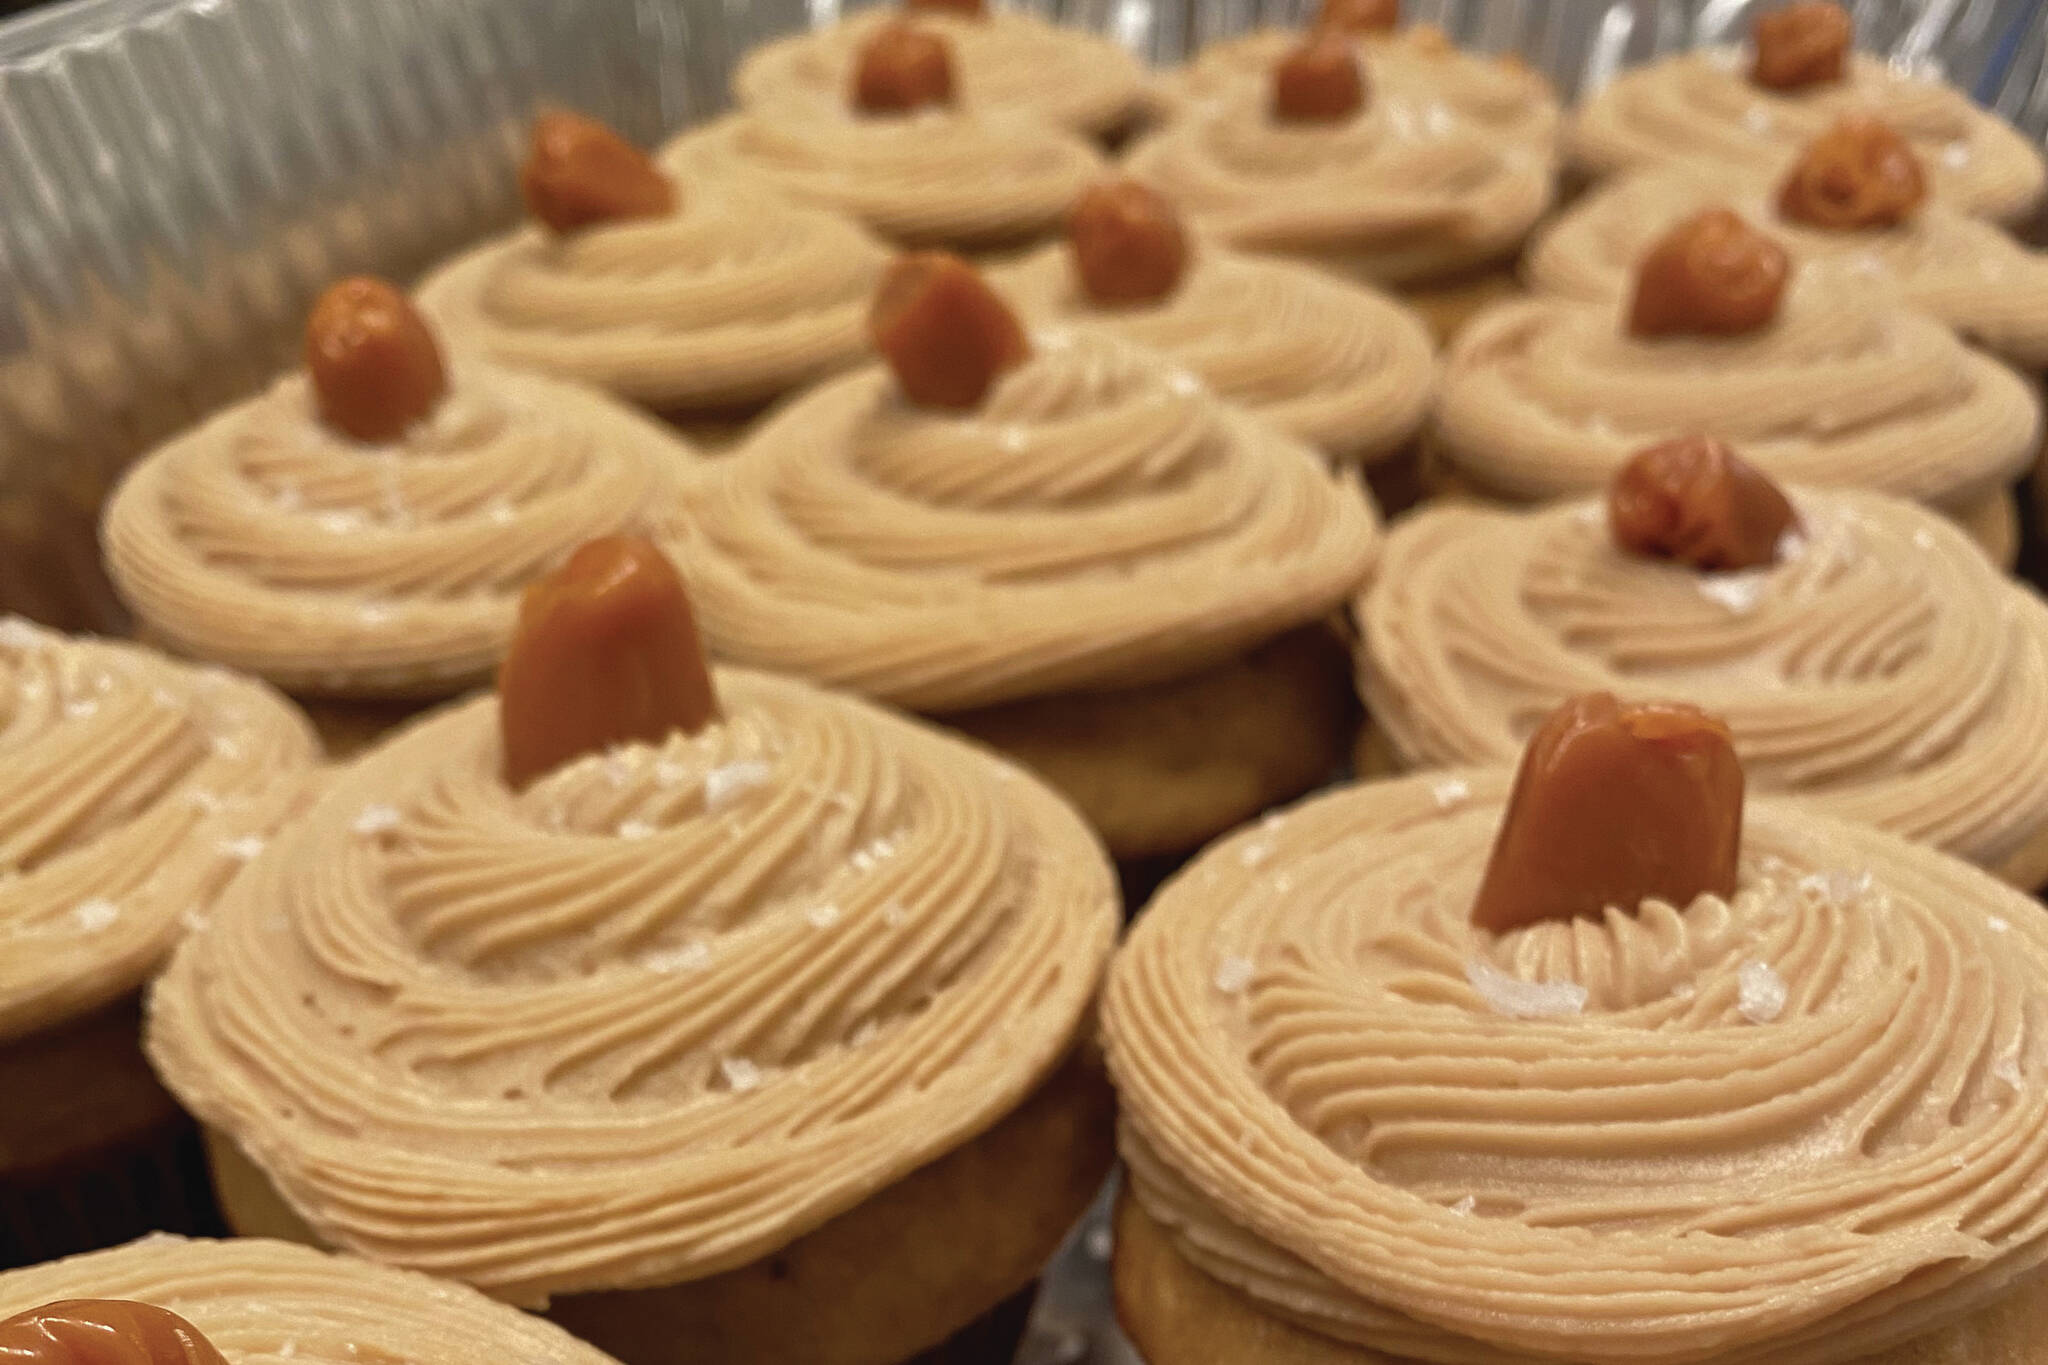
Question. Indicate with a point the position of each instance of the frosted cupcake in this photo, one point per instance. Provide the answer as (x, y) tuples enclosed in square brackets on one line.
[(363, 529), (1061, 544), (1755, 110), (1344, 368), (1657, 1078), (905, 151), (1825, 382), (1010, 63), (136, 789), (700, 300), (714, 1013)]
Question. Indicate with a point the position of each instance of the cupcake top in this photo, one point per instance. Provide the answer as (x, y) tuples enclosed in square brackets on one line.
[(1092, 517), (1331, 363), (1010, 62), (137, 788), (255, 1300), (309, 537), (721, 299), (626, 975), (1794, 1120)]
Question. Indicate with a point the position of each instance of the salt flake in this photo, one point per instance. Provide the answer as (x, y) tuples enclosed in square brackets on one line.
[(1515, 998), (1998, 924), (1451, 793), (725, 783), (96, 914), (1737, 593), (691, 957), (741, 1074), (19, 634), (2008, 1070), (822, 916), (635, 829), (376, 819), (1760, 992), (1252, 855), (247, 848), (1233, 974), (1464, 1207), (1101, 1242)]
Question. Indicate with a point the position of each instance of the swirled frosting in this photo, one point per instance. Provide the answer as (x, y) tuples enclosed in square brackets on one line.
[(733, 299), (1009, 63), (942, 177), (1883, 668), (264, 540), (136, 788), (1340, 366), (1702, 107), (655, 1016), (1544, 398), (259, 1300), (1798, 1126), (1963, 270), (1102, 520), (1400, 193)]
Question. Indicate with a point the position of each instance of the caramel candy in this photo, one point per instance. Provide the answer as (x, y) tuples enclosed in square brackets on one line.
[(1858, 174), (1615, 805), (375, 368), (1319, 82), (1360, 16), (1697, 502), (1712, 275), (1802, 44), (963, 9), (579, 172), (607, 652), (103, 1332), (902, 69), (1128, 243), (944, 332)]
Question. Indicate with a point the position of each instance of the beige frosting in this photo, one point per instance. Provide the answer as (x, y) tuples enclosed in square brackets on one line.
[(265, 540), (1103, 520), (1702, 106), (1405, 191), (1544, 398), (1343, 367), (734, 299), (1009, 62), (936, 178), (1883, 667), (1791, 1128), (258, 1300), (136, 788), (1963, 270), (654, 1017)]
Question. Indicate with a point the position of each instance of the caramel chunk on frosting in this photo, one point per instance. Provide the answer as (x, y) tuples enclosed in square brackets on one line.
[(374, 365), (946, 335), (103, 1332), (1128, 243), (1858, 174), (1801, 45), (901, 69), (579, 172), (1712, 275), (1320, 81), (1697, 502)]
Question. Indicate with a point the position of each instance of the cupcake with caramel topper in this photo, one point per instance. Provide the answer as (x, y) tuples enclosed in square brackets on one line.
[(905, 147), (1059, 543), (692, 296), (1593, 1061), (1817, 378), (1754, 111), (710, 1011)]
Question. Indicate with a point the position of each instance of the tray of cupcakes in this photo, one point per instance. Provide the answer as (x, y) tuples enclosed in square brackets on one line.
[(954, 685)]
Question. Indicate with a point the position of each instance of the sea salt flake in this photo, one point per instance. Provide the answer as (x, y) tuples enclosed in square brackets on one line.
[(1956, 155), (94, 915), (288, 1350), (822, 916), (193, 920), (1101, 1242), (1757, 119), (247, 848), (499, 512), (204, 800), (1183, 383), (374, 614), (375, 820), (635, 829), (1514, 998), (669, 773), (741, 1074), (1998, 924), (341, 522), (1684, 990), (1923, 538), (1451, 793), (1737, 593), (1253, 855), (617, 771), (727, 782), (691, 957), (2008, 1070), (228, 747), (1233, 974), (1464, 1207), (19, 634), (894, 913), (1760, 992), (81, 709)]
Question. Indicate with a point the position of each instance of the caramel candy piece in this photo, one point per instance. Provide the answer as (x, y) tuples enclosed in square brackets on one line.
[(607, 652), (1712, 275), (1319, 82), (1128, 243), (103, 1332), (1802, 44), (579, 172), (375, 367), (945, 333), (1360, 16), (1697, 502), (902, 69), (1615, 805), (963, 9), (1858, 174)]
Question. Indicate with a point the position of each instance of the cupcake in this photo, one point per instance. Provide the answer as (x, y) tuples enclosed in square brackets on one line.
[(1339, 366), (1010, 62), (1829, 628), (1817, 379), (182, 1302), (1879, 225), (907, 151), (137, 789), (1062, 544), (712, 1012), (1656, 1079), (363, 529), (1755, 110), (702, 301)]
